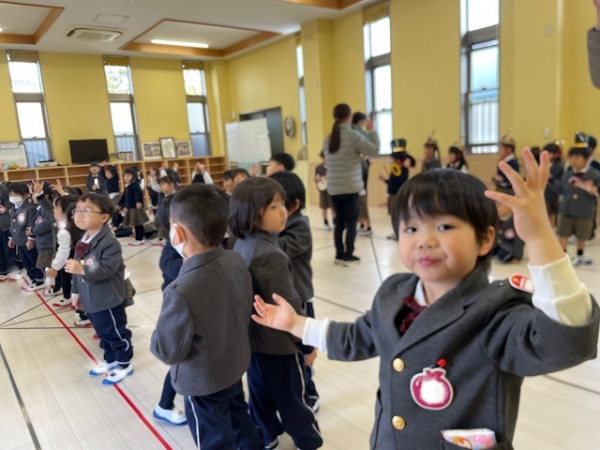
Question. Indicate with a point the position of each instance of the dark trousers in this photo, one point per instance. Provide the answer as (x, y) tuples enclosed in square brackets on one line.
[(220, 421), (63, 281), (346, 209), (29, 258), (115, 338), (7, 254), (311, 395), (139, 233), (276, 384), (168, 394)]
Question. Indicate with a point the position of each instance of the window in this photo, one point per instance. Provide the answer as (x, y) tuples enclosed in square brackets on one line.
[(480, 77), (378, 71), (122, 107), (197, 108), (301, 92), (26, 82)]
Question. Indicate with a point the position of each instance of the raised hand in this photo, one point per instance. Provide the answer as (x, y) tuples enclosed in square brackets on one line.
[(59, 188), (280, 316), (38, 187), (529, 208)]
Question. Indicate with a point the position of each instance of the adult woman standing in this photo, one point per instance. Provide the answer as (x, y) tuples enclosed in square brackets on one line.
[(343, 150)]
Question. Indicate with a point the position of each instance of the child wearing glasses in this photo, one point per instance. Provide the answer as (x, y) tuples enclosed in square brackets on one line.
[(99, 285)]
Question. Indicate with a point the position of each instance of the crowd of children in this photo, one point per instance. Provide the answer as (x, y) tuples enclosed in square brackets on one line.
[(448, 227)]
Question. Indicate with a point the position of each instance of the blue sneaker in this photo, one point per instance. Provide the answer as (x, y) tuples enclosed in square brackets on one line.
[(173, 416)]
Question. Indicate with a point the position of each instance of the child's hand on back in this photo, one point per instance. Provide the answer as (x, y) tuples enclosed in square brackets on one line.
[(280, 316), (529, 208)]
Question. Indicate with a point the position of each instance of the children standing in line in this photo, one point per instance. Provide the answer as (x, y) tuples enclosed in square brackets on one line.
[(456, 155), (446, 325), (279, 163), (579, 190), (132, 203), (431, 158), (99, 286), (95, 182), (43, 231), (202, 330), (275, 376), (553, 189), (63, 206), (23, 220), (296, 242), (324, 197), (6, 253), (506, 153)]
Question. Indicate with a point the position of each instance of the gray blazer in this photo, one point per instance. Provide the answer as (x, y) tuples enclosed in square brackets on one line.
[(103, 285), (344, 169), (593, 44), (202, 330), (491, 337), (22, 218), (271, 272), (576, 202), (296, 242)]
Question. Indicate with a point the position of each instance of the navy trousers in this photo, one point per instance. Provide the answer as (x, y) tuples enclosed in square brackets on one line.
[(7, 254), (347, 207), (115, 338), (29, 258), (220, 421), (277, 384)]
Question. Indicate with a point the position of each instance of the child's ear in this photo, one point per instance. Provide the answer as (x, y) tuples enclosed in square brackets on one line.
[(296, 206), (487, 242)]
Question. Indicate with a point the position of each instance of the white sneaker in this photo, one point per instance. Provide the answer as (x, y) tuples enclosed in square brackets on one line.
[(173, 416), (62, 302), (14, 276), (87, 323), (581, 261), (32, 287), (49, 292), (103, 368), (159, 243), (117, 374), (326, 227), (3, 277), (136, 243)]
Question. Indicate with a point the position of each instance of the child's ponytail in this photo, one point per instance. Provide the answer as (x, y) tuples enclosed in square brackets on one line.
[(340, 113)]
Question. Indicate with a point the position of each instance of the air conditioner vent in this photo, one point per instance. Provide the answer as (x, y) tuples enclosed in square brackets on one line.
[(93, 34)]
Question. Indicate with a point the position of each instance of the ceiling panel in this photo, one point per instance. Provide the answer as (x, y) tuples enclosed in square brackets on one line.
[(20, 19)]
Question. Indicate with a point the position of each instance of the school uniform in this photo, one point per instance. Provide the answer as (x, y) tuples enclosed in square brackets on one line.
[(163, 215), (430, 164), (398, 176), (202, 333), (96, 180), (461, 166), (324, 197), (505, 184), (275, 376), (7, 254), (553, 188), (23, 217), (489, 334), (508, 245), (132, 195), (102, 292), (44, 232), (577, 207)]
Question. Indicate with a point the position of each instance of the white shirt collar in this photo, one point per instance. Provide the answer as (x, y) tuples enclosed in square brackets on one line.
[(420, 295), (509, 157)]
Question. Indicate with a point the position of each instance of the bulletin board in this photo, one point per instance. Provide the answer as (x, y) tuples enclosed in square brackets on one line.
[(13, 156), (248, 141)]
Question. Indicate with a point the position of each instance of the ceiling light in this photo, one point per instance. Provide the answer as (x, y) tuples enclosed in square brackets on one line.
[(180, 43), (0, 29)]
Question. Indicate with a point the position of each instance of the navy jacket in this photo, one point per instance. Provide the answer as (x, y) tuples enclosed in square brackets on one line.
[(395, 182), (131, 195), (101, 183), (112, 185), (553, 188), (505, 184), (5, 207), (576, 202)]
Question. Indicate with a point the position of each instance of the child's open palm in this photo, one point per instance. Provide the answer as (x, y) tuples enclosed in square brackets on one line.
[(280, 316)]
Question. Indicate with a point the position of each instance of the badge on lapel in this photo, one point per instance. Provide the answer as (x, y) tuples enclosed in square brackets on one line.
[(430, 389), (21, 217), (3, 209), (521, 283), (510, 234)]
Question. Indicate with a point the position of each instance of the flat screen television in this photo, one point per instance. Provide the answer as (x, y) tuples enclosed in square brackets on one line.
[(88, 151)]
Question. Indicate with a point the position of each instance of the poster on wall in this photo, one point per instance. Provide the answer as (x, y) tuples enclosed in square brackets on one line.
[(183, 148), (151, 150), (13, 156)]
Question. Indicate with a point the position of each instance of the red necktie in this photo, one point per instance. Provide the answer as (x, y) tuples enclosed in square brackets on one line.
[(410, 310), (81, 250)]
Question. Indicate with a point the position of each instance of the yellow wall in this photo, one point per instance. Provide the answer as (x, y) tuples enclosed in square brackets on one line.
[(219, 108), (160, 100), (267, 78), (9, 128), (76, 100)]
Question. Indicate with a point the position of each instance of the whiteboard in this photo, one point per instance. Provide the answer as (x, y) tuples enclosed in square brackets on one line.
[(13, 155), (248, 142)]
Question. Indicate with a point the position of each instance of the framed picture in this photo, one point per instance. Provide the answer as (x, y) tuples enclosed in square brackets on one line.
[(167, 147), (151, 150), (183, 148)]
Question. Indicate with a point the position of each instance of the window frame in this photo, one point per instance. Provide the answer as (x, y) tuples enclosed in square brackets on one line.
[(201, 99), (302, 87)]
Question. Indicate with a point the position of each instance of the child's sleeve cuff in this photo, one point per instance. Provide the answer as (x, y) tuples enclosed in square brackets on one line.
[(315, 333)]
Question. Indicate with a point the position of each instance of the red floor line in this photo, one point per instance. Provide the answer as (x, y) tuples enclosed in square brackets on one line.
[(132, 405)]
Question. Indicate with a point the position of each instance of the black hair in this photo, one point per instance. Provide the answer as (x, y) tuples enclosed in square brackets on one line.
[(203, 209), (285, 159), (552, 148), (358, 117), (95, 165), (168, 179), (227, 175), (73, 190), (460, 155), (402, 156), (434, 146), (293, 187), (19, 188), (447, 192), (64, 201), (340, 113), (535, 151), (248, 202), (102, 202), (133, 172), (236, 172), (322, 155), (592, 143), (579, 151), (198, 179), (76, 233)]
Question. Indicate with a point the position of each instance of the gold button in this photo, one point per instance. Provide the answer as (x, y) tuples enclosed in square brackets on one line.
[(398, 423), (398, 365)]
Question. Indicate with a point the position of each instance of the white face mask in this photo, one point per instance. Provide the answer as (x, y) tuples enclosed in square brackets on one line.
[(16, 200), (179, 247)]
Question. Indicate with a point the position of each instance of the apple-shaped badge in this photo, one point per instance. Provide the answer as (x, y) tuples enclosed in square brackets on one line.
[(430, 389)]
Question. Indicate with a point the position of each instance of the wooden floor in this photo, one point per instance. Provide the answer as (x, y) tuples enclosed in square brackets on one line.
[(49, 401)]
